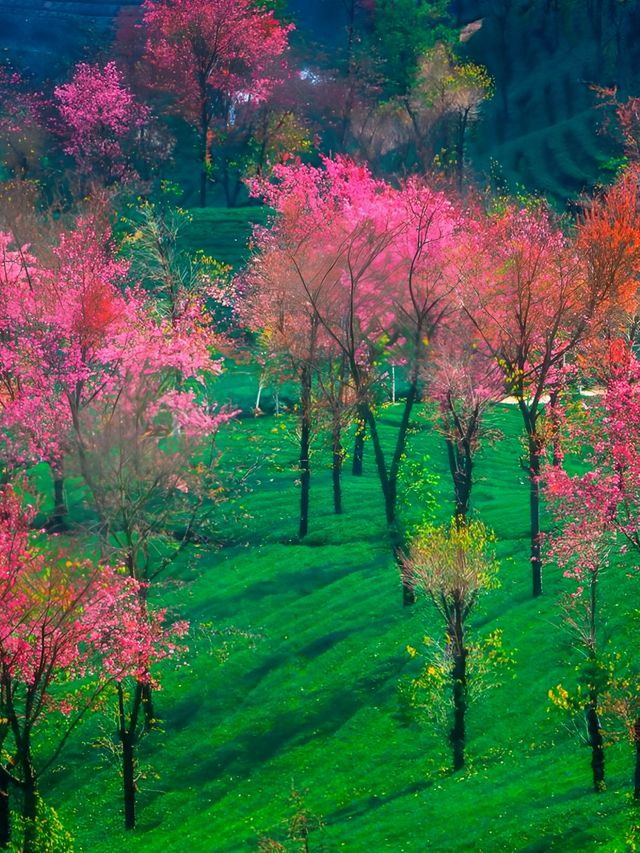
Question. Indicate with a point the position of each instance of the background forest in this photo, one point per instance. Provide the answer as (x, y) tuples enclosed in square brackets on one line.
[(319, 418)]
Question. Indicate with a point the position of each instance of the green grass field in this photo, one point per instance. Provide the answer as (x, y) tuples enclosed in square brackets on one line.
[(296, 652)]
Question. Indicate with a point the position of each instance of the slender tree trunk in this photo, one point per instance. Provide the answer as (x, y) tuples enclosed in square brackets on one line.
[(305, 441), (5, 812), (554, 418), (258, 397), (148, 707), (128, 735), (636, 774), (393, 383), (204, 177), (534, 513), (57, 521), (461, 468), (204, 132), (129, 783), (358, 444), (389, 482), (460, 148), (596, 742), (336, 464), (391, 495), (459, 689)]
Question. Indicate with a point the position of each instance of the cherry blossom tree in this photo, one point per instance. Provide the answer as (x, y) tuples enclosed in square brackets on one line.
[(68, 629), (112, 378), (464, 382), (370, 267), (101, 120), (212, 56), (599, 514), (531, 299), (582, 546), (277, 305)]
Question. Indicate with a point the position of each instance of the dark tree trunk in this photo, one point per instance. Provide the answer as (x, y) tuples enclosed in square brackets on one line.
[(128, 735), (636, 773), (5, 813), (204, 132), (204, 178), (305, 441), (358, 446), (459, 688), (596, 742), (461, 468), (148, 707), (389, 482), (57, 521), (129, 783), (534, 514), (460, 149), (336, 465)]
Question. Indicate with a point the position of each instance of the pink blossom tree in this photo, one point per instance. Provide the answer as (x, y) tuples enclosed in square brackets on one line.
[(212, 55), (101, 120), (371, 266), (68, 630), (532, 300), (599, 514), (464, 382), (101, 363), (582, 546)]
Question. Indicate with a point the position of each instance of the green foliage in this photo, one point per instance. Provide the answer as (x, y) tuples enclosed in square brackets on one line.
[(455, 560), (50, 834), (425, 695), (417, 489), (404, 30)]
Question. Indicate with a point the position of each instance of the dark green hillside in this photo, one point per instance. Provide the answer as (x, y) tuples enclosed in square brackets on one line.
[(542, 128)]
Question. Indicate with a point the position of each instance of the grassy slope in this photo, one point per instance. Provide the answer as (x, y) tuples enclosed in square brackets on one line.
[(311, 696), (300, 683)]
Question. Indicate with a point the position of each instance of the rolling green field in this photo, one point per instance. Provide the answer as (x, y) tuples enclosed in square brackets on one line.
[(296, 654), (292, 679)]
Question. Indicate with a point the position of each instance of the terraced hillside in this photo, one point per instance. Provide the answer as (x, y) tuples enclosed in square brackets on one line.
[(45, 36), (543, 129)]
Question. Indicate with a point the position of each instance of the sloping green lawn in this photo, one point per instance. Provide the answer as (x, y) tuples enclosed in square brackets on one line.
[(296, 652)]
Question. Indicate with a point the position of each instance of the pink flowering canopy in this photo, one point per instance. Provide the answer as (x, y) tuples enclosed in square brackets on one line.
[(64, 619), (99, 112), (212, 51), (76, 336)]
